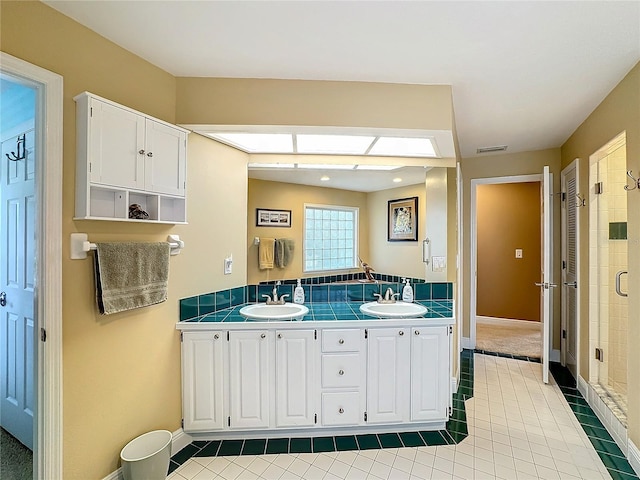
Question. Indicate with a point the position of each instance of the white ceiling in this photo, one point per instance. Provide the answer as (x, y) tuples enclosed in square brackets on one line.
[(523, 73)]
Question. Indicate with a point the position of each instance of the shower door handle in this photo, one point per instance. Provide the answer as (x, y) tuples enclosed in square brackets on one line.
[(572, 284), (618, 276)]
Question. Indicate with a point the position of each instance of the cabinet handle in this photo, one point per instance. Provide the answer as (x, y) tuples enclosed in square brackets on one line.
[(340, 372), (279, 335), (263, 335), (341, 410), (150, 154), (341, 341), (417, 332), (141, 152), (401, 332), (216, 336)]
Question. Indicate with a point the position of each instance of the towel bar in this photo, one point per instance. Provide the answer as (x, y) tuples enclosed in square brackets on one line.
[(80, 245)]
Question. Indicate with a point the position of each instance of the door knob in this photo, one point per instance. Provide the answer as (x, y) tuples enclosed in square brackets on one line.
[(3, 299)]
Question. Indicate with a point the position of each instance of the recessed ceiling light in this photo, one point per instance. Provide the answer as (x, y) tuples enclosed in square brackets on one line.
[(333, 144), (325, 166), (324, 178), (258, 142), (403, 147), (397, 180)]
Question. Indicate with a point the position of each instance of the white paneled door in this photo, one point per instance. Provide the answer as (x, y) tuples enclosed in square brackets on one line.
[(17, 284)]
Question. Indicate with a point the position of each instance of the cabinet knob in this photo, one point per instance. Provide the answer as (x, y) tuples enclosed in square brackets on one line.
[(340, 372), (279, 335), (216, 336), (401, 332), (141, 152), (341, 341), (150, 154), (417, 332), (341, 410), (263, 335)]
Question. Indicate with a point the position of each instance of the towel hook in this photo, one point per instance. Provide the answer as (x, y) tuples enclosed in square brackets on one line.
[(636, 182), (20, 147)]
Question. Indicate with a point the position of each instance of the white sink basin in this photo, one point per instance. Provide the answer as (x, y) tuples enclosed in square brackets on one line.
[(264, 312), (393, 310)]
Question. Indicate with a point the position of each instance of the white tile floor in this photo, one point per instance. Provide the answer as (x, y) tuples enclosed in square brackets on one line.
[(519, 428)]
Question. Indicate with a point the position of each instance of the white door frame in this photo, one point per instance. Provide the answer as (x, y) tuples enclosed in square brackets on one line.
[(474, 242), (48, 414), (574, 164)]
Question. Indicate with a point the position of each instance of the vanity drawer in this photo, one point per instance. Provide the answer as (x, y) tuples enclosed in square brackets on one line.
[(341, 371), (343, 340), (341, 408)]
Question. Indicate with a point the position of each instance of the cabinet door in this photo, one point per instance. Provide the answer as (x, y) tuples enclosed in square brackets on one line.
[(115, 140), (202, 381), (429, 377), (165, 159), (295, 378), (249, 378), (388, 375)]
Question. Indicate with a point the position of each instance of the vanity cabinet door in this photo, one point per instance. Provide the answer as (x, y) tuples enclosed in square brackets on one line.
[(166, 159), (203, 381), (429, 380), (116, 139), (249, 378), (295, 378), (388, 371)]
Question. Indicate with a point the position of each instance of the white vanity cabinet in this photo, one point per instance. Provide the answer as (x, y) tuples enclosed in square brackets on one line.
[(203, 399), (249, 378), (126, 157), (388, 370), (296, 378)]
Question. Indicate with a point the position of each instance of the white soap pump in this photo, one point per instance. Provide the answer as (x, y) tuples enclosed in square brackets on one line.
[(407, 291), (298, 294)]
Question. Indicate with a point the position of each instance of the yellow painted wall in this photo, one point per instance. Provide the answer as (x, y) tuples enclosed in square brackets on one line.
[(122, 372), (508, 217), (525, 163), (618, 112), (289, 196)]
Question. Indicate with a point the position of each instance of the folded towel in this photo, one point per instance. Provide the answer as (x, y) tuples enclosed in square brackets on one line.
[(130, 275), (288, 246), (266, 251)]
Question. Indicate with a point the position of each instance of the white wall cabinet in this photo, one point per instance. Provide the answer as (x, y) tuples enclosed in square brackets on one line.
[(126, 157), (314, 379), (203, 406), (249, 378)]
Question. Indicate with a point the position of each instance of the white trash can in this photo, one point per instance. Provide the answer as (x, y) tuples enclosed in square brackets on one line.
[(147, 457)]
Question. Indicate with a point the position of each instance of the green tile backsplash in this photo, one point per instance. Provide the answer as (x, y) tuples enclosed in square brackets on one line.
[(316, 291)]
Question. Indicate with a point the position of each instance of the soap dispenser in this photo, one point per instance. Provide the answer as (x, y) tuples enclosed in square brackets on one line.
[(407, 292), (298, 294)]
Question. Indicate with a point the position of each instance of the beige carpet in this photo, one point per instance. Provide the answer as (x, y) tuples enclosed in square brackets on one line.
[(16, 460), (517, 337)]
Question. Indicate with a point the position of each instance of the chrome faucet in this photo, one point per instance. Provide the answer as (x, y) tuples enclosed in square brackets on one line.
[(274, 300), (389, 296)]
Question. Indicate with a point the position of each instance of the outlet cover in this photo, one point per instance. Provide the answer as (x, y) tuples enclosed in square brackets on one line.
[(518, 253)]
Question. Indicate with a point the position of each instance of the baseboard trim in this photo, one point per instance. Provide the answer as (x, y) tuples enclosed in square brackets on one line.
[(554, 356), (179, 440), (454, 385), (634, 457), (484, 317), (466, 343)]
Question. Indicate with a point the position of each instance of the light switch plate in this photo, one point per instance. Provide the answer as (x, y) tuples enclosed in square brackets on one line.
[(518, 253), (228, 265)]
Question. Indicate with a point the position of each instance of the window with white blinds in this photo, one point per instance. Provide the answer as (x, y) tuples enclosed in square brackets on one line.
[(330, 237)]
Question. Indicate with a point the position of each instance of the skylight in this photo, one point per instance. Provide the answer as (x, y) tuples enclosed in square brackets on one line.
[(329, 144)]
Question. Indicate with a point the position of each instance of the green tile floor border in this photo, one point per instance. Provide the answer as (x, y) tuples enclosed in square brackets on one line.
[(617, 464), (455, 432)]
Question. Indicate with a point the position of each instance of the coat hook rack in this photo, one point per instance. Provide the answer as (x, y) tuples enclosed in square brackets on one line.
[(20, 147), (580, 202), (636, 182)]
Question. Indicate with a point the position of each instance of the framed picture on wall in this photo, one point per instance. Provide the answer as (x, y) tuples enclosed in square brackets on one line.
[(402, 220), (266, 217)]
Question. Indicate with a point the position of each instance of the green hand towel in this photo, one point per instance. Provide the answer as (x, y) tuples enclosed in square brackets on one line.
[(130, 275)]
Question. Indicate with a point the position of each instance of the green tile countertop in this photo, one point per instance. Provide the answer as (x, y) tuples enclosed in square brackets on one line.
[(320, 312)]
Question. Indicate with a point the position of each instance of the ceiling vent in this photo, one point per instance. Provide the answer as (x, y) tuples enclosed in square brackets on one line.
[(496, 148)]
